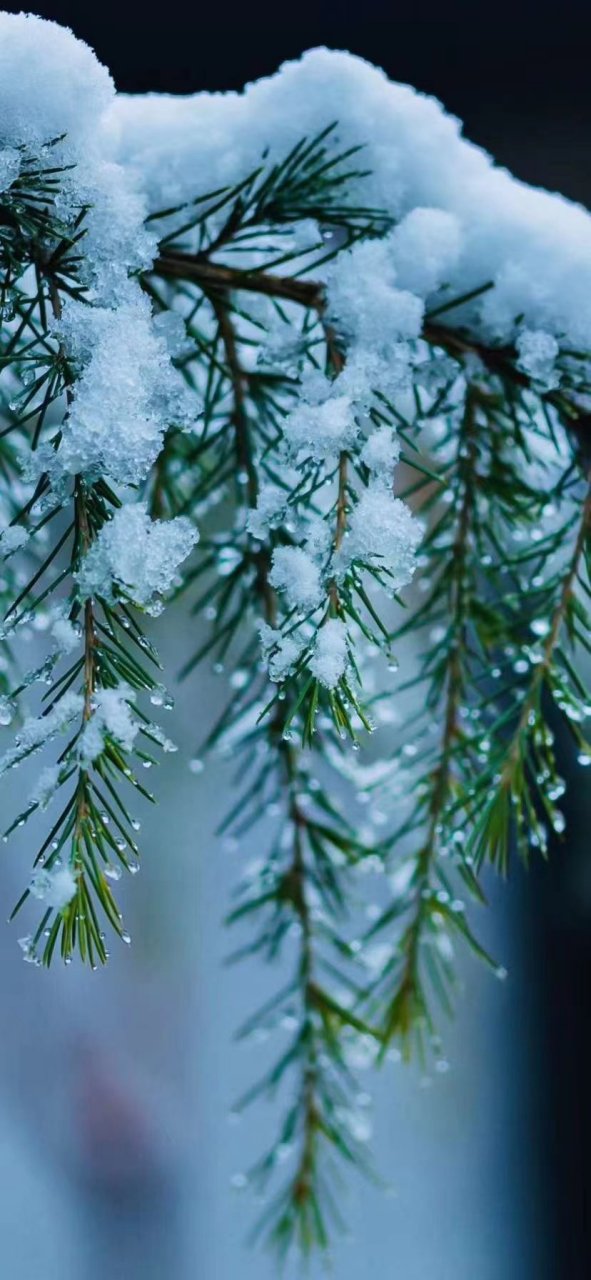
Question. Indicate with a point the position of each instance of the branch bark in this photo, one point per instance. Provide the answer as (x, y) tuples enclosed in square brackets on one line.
[(499, 360)]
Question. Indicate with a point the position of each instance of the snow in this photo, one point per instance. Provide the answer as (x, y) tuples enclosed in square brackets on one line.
[(14, 538), (126, 393), (537, 353), (139, 555), (55, 886), (45, 786), (170, 326), (116, 242), (329, 660), (10, 164), (467, 220), (455, 223), (112, 717), (268, 511), (65, 634), (53, 87), (458, 221), (381, 451), (364, 301), (321, 431), (36, 731), (425, 248), (125, 396), (366, 371), (297, 575), (50, 83), (281, 652), (382, 533)]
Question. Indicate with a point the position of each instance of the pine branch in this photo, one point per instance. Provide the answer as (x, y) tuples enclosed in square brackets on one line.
[(92, 840), (407, 1009), (523, 781), (275, 306), (288, 884), (501, 361)]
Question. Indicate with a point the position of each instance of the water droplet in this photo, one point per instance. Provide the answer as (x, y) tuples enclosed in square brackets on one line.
[(289, 1022), (7, 711), (521, 666)]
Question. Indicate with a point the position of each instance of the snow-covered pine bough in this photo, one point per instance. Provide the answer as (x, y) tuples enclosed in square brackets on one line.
[(288, 354)]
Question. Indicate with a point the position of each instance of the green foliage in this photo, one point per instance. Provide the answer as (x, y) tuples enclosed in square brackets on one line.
[(39, 265), (497, 616)]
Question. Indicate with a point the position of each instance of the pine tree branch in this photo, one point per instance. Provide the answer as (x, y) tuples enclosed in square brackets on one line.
[(302, 454), (500, 361), (295, 878), (407, 1006), (244, 457), (298, 1211), (543, 667), (88, 843), (185, 266)]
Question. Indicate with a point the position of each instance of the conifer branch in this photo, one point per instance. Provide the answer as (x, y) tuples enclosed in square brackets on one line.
[(500, 361), (254, 363), (407, 1011)]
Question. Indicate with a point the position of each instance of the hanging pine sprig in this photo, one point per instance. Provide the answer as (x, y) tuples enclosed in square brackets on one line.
[(89, 697)]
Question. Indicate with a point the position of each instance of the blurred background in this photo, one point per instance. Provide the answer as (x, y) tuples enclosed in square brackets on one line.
[(116, 1143)]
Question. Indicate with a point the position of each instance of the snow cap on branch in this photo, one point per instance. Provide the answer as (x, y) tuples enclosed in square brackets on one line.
[(51, 83), (463, 220)]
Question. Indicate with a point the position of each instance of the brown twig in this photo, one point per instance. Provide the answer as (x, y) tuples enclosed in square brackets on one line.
[(499, 360)]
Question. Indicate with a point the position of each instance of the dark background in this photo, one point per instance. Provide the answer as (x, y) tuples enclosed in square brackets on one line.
[(518, 75)]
